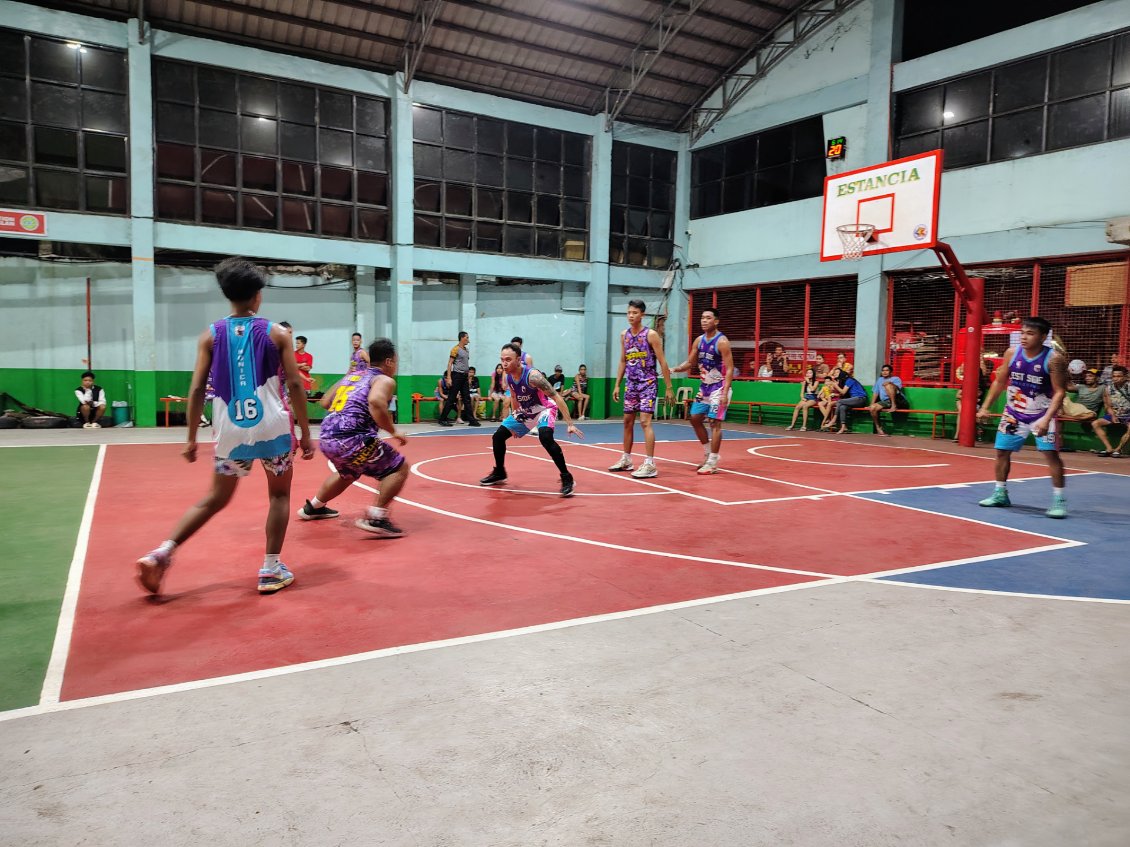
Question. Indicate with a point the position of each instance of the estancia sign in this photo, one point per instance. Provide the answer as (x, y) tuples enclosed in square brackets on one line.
[(22, 223)]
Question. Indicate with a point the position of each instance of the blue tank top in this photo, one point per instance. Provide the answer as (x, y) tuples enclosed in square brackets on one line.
[(530, 401), (711, 367), (1030, 390), (349, 410)]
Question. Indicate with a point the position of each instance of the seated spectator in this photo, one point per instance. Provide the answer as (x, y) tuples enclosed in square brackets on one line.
[(820, 366), (557, 378), (1106, 376), (829, 396), (808, 399), (1072, 408), (1090, 394), (886, 396), (498, 393), (475, 390), (765, 372), (852, 396), (91, 402), (579, 392), (443, 388), (1116, 398)]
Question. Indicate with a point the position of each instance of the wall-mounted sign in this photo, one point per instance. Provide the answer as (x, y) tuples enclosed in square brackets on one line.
[(23, 223), (837, 147)]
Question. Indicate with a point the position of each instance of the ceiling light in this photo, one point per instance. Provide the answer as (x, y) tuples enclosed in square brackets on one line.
[(947, 114)]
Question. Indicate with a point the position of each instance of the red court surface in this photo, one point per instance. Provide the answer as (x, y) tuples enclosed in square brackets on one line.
[(480, 560)]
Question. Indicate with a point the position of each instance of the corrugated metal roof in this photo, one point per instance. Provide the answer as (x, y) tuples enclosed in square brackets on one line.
[(567, 53)]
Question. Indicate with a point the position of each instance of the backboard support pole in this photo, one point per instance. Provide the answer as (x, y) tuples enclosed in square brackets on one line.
[(971, 290)]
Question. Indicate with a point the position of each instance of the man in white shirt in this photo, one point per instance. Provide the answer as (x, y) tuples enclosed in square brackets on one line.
[(91, 402)]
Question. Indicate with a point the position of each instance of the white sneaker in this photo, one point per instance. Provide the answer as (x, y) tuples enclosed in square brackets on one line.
[(645, 471), (624, 464), (711, 466), (88, 425), (96, 425)]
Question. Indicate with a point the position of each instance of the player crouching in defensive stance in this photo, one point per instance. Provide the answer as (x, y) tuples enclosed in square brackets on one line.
[(535, 405), (349, 438)]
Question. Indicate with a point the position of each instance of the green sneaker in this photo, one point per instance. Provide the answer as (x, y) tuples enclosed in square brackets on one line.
[(999, 498), (1058, 509)]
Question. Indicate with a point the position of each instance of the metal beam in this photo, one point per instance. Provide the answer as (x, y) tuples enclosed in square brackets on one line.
[(426, 12), (706, 41), (776, 8), (766, 55), (663, 30)]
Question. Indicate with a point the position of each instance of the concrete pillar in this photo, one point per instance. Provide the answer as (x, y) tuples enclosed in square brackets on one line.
[(141, 230), (596, 292), (401, 272), (468, 304), (365, 304), (675, 336)]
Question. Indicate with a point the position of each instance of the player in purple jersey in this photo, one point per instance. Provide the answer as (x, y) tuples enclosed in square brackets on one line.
[(1034, 378), (243, 354), (358, 358), (349, 438), (640, 349), (535, 405), (711, 356)]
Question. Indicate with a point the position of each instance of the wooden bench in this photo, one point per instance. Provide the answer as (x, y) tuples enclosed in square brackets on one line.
[(417, 399), (749, 404), (168, 401)]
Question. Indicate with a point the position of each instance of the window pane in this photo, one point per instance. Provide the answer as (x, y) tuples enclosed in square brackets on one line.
[(663, 165), (488, 204), (662, 196), (176, 202), (297, 178), (519, 240), (1120, 113), (619, 159), (919, 144), (919, 110), (13, 142), (426, 196), (548, 243), (260, 211), (337, 184), (298, 215), (1018, 134), (706, 165), (105, 194), (519, 207), (217, 207), (1076, 122), (967, 99), (519, 140), (175, 123), (1081, 70), (426, 231), (219, 129), (457, 200), (371, 116), (1121, 73), (54, 105), (734, 193), (457, 234), (808, 179), (1020, 85), (175, 161), (13, 100), (103, 68), (258, 135), (548, 145), (257, 96), (741, 155), (13, 185), (459, 130), (297, 103), (808, 139), (260, 173), (490, 136), (576, 149), (575, 182), (639, 191), (372, 188), (427, 124), (488, 170), (217, 167), (427, 160), (966, 145), (709, 199), (335, 110), (576, 214), (547, 178), (13, 55), (56, 189), (371, 153), (637, 251), (105, 152), (104, 112), (56, 147), (549, 210), (335, 148), (772, 187), (488, 237), (660, 225), (299, 142), (217, 88), (53, 60), (459, 165), (637, 222), (620, 190), (618, 222), (373, 224), (774, 147), (519, 175), (659, 254), (174, 81), (639, 160)]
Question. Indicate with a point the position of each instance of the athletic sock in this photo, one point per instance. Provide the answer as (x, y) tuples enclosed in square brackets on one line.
[(626, 457), (1059, 493), (168, 546), (316, 503), (271, 562), (713, 457), (1002, 486), (377, 513)]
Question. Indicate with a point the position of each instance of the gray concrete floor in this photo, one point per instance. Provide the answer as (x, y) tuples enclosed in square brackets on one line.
[(848, 714)]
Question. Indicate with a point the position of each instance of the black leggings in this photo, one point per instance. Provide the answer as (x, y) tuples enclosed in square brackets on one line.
[(545, 436)]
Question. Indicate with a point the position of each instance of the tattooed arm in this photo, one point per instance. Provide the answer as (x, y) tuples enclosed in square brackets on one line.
[(537, 380)]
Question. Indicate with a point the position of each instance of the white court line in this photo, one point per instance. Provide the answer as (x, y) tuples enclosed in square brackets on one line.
[(53, 679), (754, 451), (195, 685), (970, 560), (992, 593)]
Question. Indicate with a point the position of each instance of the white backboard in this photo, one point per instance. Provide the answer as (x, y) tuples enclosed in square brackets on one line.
[(899, 198)]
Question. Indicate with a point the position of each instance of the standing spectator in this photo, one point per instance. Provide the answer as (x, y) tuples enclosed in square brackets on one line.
[(1107, 375), (457, 364), (91, 402), (852, 396), (497, 392), (779, 361), (885, 396), (1116, 397), (558, 378), (358, 359), (475, 390), (305, 363)]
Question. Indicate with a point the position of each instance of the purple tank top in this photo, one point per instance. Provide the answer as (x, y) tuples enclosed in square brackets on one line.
[(1029, 386), (356, 363), (349, 411), (639, 357), (530, 401)]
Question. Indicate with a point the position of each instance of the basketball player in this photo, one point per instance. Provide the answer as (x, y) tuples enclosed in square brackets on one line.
[(243, 353), (535, 405), (1035, 380), (358, 358), (710, 353), (349, 438), (640, 349)]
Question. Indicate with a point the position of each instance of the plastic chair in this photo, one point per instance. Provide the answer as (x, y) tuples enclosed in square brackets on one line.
[(682, 395)]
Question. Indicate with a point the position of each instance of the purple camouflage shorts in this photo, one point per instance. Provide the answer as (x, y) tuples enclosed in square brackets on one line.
[(355, 456), (640, 396)]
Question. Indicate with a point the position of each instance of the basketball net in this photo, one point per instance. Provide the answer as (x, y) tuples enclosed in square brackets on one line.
[(854, 237)]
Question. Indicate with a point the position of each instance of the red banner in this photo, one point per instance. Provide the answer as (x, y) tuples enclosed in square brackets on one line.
[(23, 223)]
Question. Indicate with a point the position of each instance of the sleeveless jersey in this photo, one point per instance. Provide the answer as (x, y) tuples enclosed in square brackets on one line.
[(530, 401), (639, 358), (248, 416), (711, 367), (349, 411), (356, 363), (1029, 386)]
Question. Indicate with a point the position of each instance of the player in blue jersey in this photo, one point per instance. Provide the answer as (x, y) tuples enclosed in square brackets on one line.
[(710, 355), (349, 438), (242, 356), (1034, 377)]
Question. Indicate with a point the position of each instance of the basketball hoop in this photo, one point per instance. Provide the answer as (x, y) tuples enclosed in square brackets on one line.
[(855, 238)]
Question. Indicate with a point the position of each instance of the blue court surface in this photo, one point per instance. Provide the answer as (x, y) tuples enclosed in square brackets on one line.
[(598, 432), (1095, 565)]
